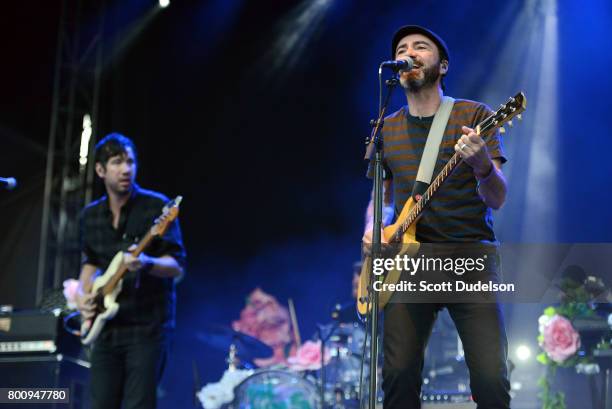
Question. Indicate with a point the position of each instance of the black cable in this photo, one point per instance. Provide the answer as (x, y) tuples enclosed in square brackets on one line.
[(67, 327)]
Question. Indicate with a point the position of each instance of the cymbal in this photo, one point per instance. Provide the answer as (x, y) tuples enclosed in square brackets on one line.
[(221, 337)]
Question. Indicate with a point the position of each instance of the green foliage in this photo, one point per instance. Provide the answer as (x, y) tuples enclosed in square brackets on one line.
[(542, 358), (604, 345), (550, 399), (550, 311)]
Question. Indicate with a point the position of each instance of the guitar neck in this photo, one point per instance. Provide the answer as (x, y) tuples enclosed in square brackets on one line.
[(169, 214), (142, 245)]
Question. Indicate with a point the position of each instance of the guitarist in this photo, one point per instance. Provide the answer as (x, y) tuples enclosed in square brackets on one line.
[(459, 213), (128, 358)]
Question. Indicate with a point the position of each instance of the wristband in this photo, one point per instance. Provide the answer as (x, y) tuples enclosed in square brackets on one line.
[(487, 177)]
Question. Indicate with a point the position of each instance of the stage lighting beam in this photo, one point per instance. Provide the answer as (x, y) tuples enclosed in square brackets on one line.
[(523, 353), (85, 137)]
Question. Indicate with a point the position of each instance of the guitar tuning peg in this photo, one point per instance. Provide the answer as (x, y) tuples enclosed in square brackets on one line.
[(519, 117), (510, 124), (502, 129)]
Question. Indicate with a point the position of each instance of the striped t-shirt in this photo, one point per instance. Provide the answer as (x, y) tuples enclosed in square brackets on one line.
[(456, 212)]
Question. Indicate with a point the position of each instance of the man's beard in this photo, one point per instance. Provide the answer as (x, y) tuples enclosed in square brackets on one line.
[(119, 190), (430, 76)]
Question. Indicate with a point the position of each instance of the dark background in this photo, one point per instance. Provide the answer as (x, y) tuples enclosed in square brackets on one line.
[(259, 123)]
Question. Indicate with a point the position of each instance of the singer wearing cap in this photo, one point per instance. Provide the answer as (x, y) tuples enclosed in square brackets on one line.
[(460, 212)]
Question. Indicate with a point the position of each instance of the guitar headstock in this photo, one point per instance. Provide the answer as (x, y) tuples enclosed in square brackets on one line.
[(169, 213), (513, 107)]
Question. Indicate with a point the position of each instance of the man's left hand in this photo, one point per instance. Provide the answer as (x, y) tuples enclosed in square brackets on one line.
[(473, 150), (135, 263)]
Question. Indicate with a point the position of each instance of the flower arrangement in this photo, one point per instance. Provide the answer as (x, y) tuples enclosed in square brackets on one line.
[(308, 357), (559, 340), (215, 395), (560, 343), (267, 320), (71, 290)]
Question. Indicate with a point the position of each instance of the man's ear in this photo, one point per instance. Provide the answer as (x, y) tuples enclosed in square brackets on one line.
[(100, 170), (443, 67)]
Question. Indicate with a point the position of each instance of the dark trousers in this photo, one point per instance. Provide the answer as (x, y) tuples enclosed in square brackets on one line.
[(126, 368), (407, 328)]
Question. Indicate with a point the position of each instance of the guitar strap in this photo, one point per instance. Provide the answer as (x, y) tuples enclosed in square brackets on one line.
[(432, 146)]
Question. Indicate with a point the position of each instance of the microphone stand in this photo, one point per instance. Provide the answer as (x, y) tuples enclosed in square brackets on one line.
[(375, 148)]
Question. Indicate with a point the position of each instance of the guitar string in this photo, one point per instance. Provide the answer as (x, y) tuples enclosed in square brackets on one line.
[(485, 126)]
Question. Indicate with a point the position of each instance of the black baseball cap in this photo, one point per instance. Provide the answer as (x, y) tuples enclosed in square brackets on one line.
[(412, 29)]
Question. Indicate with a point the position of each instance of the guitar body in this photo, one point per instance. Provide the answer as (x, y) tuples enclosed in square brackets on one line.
[(108, 306), (409, 237), (408, 245)]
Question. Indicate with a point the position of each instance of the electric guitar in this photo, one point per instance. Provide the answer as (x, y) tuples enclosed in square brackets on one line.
[(108, 286), (403, 231)]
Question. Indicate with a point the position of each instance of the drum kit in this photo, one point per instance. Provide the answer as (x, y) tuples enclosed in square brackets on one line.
[(280, 387), (342, 384)]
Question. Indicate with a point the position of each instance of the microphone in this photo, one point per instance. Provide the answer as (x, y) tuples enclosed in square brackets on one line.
[(398, 65), (9, 183)]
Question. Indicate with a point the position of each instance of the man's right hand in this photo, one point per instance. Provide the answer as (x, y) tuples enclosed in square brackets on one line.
[(86, 305)]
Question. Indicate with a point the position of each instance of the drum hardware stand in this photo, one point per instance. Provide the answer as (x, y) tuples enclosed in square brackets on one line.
[(196, 383), (375, 152), (323, 341), (232, 358)]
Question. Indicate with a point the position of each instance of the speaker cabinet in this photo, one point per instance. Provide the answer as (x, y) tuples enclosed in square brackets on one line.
[(47, 371)]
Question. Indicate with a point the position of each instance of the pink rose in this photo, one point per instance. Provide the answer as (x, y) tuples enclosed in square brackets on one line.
[(561, 340), (71, 289), (308, 357)]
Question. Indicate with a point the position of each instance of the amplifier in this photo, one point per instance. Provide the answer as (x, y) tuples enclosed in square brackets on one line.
[(36, 351), (603, 353), (444, 400), (447, 399), (27, 346), (35, 332), (442, 405), (47, 371), (595, 323)]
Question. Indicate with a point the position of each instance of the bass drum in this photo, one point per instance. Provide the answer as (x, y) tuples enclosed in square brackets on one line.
[(274, 389)]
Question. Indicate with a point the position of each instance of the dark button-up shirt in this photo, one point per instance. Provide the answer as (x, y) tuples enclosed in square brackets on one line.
[(145, 300)]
